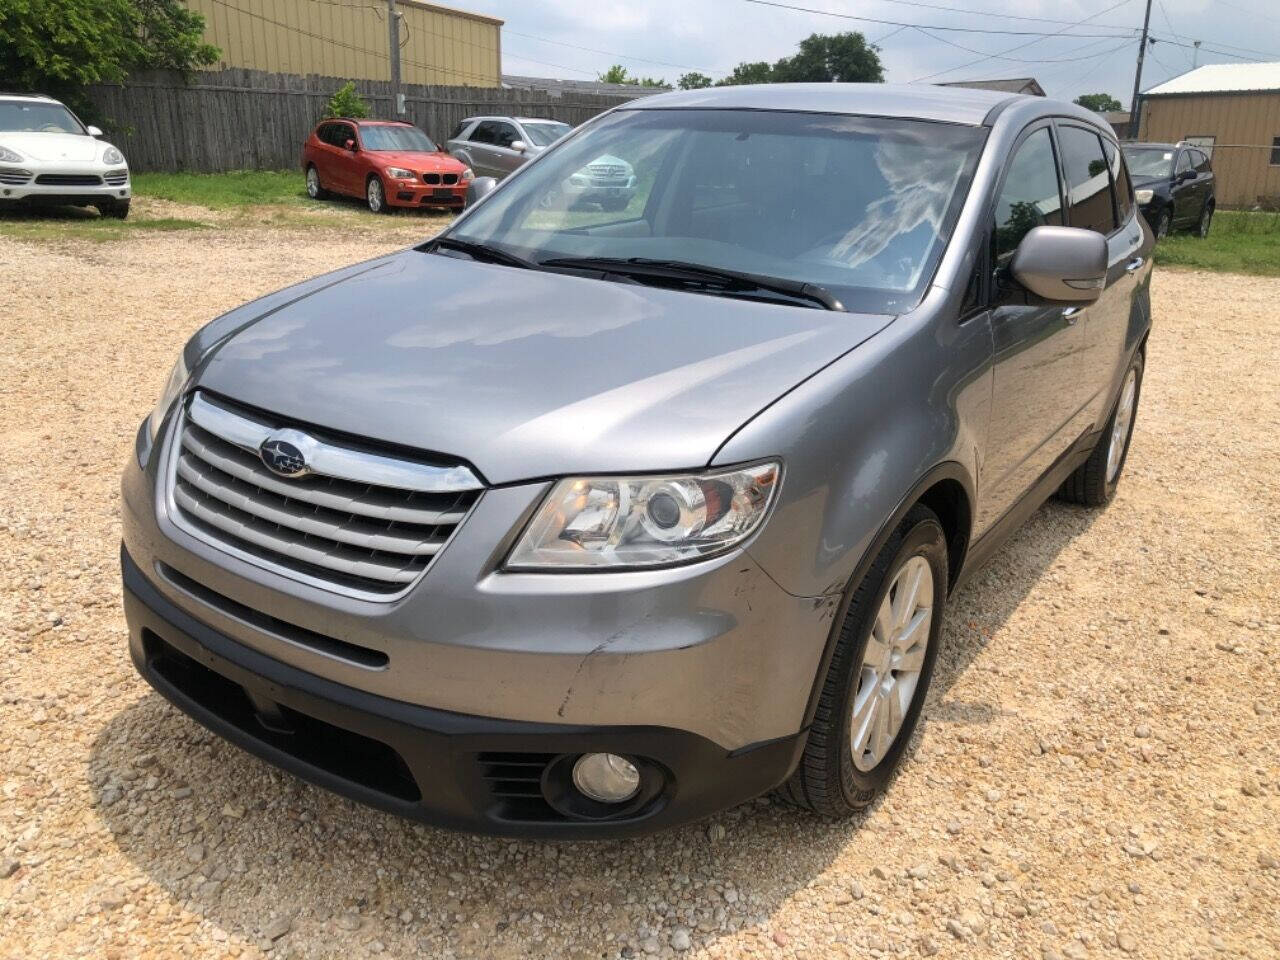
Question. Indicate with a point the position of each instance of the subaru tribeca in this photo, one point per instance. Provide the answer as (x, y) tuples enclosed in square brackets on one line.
[(580, 522)]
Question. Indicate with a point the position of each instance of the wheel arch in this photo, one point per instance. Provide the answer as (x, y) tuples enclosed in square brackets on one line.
[(948, 490)]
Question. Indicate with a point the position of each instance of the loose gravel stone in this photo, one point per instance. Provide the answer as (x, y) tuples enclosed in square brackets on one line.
[(1083, 630)]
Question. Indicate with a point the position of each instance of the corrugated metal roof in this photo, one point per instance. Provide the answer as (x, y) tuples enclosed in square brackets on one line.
[(1008, 85), (1222, 78)]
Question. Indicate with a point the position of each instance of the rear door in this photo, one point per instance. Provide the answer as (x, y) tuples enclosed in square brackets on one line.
[(1036, 393), (1185, 208)]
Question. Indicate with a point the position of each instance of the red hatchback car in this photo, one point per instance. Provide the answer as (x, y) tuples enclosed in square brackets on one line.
[(388, 162)]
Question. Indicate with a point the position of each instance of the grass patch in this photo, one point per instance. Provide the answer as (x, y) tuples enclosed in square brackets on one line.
[(1238, 242), (77, 224), (220, 191)]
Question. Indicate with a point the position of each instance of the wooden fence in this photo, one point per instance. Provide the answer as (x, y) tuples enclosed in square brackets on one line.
[(252, 120)]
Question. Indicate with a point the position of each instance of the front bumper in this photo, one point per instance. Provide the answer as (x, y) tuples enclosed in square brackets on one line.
[(415, 193), (465, 772), (65, 184)]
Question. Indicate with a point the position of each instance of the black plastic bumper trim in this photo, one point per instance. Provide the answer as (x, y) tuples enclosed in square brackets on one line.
[(440, 750)]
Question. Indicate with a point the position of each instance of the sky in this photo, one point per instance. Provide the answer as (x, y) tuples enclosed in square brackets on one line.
[(665, 38)]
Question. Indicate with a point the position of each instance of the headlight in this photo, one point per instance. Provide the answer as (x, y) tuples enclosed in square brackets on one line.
[(177, 380), (112, 155), (597, 523), (1143, 196), (468, 173), (10, 156), (400, 173)]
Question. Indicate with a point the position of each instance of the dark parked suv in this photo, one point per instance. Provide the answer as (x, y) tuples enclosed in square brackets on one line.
[(1175, 186), (587, 522)]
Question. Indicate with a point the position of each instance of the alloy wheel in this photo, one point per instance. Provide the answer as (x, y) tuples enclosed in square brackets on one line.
[(375, 197), (1206, 217), (1120, 428), (313, 183), (891, 663), (1162, 225)]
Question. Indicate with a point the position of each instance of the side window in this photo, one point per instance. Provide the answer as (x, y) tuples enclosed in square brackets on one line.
[(1120, 179), (486, 132), (342, 132), (506, 134), (1088, 180), (1202, 163), (1030, 196), (1184, 162), (457, 131)]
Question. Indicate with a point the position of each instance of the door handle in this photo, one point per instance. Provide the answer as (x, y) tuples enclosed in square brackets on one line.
[(1072, 315), (1134, 264)]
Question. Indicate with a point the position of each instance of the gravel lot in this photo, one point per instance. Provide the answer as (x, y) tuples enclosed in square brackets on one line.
[(1097, 774)]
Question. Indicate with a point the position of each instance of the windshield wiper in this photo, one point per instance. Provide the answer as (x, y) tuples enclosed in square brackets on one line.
[(720, 278), (478, 251)]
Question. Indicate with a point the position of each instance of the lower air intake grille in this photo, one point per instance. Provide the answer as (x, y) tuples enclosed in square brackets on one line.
[(355, 519)]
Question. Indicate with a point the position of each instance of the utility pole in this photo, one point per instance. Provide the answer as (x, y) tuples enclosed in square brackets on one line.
[(1134, 106), (393, 39), (1195, 55)]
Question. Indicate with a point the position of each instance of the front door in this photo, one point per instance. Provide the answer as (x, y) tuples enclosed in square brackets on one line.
[(1186, 209), (1036, 394)]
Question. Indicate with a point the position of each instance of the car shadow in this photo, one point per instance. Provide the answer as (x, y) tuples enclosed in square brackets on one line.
[(44, 213), (242, 843)]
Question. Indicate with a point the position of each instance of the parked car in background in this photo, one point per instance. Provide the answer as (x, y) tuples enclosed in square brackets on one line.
[(48, 157), (496, 146), (390, 163), (607, 180), (1174, 185), (578, 524)]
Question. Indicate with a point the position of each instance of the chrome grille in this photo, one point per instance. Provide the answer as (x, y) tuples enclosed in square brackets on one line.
[(361, 521), (607, 171), (15, 177)]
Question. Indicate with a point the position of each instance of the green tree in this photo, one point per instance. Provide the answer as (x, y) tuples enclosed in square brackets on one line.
[(758, 72), (618, 74), (346, 102), (1098, 102), (822, 58), (59, 46), (693, 81)]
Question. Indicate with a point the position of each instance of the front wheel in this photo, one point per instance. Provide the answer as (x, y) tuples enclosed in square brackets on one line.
[(1206, 220), (314, 190), (375, 196), (116, 209), (1094, 482), (880, 671), (1161, 227)]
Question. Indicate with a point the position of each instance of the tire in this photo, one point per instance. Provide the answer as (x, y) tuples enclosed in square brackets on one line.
[(375, 195), (1206, 220), (1161, 227), (615, 204), (828, 780), (116, 209), (314, 190), (1095, 481)]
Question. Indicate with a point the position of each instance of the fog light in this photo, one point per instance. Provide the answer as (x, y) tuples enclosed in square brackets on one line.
[(606, 777)]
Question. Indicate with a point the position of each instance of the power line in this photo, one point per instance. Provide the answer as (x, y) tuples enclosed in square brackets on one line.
[(996, 56), (610, 53), (950, 29), (1021, 46)]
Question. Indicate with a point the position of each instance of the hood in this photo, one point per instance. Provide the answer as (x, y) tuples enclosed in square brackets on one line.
[(415, 160), (524, 374), (76, 147), (1142, 182)]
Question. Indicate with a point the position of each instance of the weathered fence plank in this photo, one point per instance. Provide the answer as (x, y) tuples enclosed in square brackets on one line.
[(240, 119)]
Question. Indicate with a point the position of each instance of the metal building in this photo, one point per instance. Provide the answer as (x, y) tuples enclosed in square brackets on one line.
[(349, 39), (1233, 111)]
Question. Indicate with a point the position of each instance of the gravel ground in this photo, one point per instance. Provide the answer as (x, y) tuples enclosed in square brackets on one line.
[(1096, 775)]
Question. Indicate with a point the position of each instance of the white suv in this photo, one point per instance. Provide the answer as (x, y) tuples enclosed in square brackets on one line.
[(47, 156)]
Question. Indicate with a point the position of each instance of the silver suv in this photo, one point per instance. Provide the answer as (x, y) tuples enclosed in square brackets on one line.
[(497, 146), (580, 522)]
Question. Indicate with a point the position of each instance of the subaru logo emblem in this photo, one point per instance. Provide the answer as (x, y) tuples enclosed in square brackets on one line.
[(282, 457)]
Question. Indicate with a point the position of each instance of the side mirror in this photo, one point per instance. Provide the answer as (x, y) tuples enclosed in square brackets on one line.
[(1185, 175), (479, 188), (93, 131), (519, 146), (1062, 264), (351, 145)]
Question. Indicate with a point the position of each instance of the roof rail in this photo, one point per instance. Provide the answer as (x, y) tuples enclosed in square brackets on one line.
[(26, 93)]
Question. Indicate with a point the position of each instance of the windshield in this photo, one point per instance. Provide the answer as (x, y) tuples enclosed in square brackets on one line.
[(28, 116), (1148, 163), (862, 206), (402, 139), (544, 134)]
